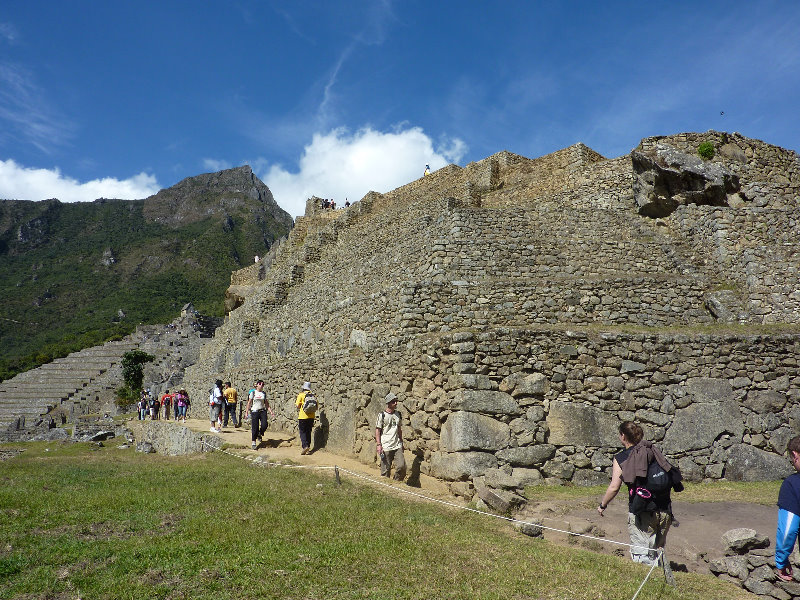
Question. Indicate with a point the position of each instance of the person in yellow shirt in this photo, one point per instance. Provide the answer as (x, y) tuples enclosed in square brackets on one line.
[(230, 404), (306, 410)]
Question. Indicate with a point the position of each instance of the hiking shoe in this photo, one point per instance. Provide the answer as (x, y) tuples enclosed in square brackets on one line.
[(213, 430), (254, 445)]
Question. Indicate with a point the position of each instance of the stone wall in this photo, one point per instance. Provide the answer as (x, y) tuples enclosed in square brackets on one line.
[(753, 249), (525, 405), (498, 300)]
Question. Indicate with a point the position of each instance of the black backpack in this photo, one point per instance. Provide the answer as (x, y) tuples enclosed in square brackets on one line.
[(658, 480), (655, 486)]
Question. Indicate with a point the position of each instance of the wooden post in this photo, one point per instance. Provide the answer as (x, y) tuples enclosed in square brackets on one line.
[(668, 576)]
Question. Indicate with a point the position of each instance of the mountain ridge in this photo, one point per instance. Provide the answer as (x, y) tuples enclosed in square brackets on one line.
[(77, 274)]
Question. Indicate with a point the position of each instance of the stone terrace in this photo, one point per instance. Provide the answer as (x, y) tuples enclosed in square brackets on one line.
[(62, 384), (86, 381), (498, 299)]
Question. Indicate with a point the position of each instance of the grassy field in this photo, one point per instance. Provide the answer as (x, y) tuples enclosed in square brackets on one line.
[(78, 521), (757, 492)]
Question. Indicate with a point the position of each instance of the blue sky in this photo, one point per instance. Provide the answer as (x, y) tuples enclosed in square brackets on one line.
[(120, 99)]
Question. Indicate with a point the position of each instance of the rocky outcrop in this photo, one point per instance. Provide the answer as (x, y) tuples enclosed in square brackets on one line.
[(750, 564), (171, 439), (667, 178)]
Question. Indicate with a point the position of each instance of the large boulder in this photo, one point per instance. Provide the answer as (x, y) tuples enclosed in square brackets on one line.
[(698, 425), (742, 540), (527, 456), (666, 178), (746, 463), (709, 389), (485, 401), (457, 466), (471, 431), (574, 424)]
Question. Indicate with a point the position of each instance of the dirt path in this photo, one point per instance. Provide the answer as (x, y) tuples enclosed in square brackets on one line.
[(284, 447), (696, 534)]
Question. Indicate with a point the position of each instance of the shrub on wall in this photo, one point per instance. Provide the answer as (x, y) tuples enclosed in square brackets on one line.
[(706, 150)]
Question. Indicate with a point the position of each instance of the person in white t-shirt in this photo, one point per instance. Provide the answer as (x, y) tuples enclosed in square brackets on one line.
[(389, 440), (257, 407)]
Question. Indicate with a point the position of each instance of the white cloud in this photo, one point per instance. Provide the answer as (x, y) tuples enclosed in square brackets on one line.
[(22, 183), (212, 165), (341, 165)]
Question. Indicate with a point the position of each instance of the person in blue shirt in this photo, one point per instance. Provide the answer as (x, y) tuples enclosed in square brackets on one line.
[(788, 513)]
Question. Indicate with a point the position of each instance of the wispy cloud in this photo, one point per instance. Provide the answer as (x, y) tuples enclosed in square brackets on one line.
[(340, 164), (8, 33), (213, 165), (22, 183), (25, 115)]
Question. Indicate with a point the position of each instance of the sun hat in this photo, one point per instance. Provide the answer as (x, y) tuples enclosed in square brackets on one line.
[(390, 397), (307, 385)]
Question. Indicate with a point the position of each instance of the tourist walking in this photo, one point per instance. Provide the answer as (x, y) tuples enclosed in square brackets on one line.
[(230, 404), (151, 403), (788, 514), (257, 407), (166, 402), (142, 405), (389, 439), (182, 402), (215, 401), (306, 410), (649, 513)]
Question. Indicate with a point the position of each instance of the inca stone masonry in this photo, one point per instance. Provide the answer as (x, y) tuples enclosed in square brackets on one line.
[(522, 309)]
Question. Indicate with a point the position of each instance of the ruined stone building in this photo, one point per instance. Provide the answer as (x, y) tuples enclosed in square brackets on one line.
[(521, 308)]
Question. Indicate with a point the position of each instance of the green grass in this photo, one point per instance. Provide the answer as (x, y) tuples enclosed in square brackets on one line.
[(755, 492), (109, 523)]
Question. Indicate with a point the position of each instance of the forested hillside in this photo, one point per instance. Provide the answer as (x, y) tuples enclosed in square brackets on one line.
[(75, 275)]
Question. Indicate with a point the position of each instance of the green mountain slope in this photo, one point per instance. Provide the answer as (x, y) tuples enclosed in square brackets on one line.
[(75, 275)]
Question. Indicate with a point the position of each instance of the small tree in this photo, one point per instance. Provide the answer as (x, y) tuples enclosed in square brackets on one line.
[(133, 374), (133, 368), (706, 150)]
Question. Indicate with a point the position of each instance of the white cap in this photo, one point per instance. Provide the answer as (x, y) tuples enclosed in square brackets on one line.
[(307, 385)]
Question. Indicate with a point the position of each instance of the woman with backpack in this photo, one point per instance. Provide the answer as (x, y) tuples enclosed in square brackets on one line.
[(649, 512), (215, 400), (306, 410)]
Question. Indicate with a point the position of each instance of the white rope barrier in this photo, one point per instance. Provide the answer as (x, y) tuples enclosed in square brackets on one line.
[(454, 505)]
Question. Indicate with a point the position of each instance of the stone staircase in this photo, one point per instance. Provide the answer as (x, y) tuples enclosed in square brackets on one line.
[(86, 381), (65, 385)]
